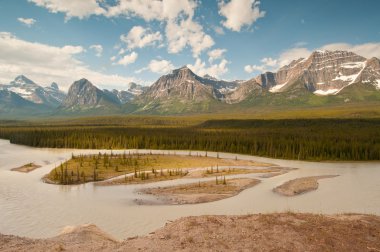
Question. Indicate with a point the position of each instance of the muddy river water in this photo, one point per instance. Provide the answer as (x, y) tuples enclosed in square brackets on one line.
[(29, 207)]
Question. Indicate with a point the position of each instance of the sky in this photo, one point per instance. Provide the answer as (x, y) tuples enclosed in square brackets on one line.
[(114, 42)]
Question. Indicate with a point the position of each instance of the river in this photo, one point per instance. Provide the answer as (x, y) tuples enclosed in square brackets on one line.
[(31, 208)]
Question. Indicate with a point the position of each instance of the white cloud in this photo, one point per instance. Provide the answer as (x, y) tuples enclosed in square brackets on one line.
[(98, 50), (215, 54), (239, 13), (267, 65), (128, 59), (177, 16), (158, 66), (254, 68), (27, 21), (292, 54), (139, 37), (187, 32), (215, 70), (45, 64), (269, 62), (72, 8), (152, 10), (181, 29)]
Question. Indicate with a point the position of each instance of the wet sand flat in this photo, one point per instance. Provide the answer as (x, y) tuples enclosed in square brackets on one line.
[(300, 185)]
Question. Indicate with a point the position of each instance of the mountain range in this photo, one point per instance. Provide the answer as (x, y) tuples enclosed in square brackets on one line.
[(322, 78)]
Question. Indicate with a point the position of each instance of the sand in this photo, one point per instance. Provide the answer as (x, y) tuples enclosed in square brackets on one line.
[(26, 168), (300, 185), (200, 192), (262, 232), (267, 172)]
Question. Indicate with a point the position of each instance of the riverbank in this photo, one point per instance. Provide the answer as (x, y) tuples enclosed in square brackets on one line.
[(260, 232), (200, 192)]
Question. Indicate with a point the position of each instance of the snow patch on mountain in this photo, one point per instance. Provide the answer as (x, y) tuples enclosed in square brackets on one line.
[(377, 84), (326, 92), (277, 88)]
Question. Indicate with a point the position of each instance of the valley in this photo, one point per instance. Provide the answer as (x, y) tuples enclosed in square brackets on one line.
[(189, 125)]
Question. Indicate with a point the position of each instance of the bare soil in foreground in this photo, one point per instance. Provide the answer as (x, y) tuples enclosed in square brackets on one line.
[(300, 185), (201, 192), (262, 232)]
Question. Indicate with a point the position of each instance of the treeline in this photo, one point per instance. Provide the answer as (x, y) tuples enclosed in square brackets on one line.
[(288, 139)]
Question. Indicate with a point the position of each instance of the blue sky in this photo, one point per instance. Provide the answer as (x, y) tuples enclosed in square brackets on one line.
[(114, 42)]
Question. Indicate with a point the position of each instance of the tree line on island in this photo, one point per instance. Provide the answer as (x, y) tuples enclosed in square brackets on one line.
[(86, 168)]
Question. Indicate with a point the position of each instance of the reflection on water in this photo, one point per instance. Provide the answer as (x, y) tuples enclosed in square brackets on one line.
[(31, 208)]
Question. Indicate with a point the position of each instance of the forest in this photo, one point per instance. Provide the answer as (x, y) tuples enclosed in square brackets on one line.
[(298, 139)]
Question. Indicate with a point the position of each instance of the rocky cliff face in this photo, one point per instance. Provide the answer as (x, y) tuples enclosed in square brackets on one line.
[(325, 72), (83, 94), (181, 84), (132, 91), (322, 73), (371, 72), (244, 90), (55, 93)]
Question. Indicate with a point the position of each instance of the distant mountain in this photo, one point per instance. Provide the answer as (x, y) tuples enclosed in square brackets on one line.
[(13, 105), (29, 90), (133, 90), (53, 91), (324, 78), (84, 96), (183, 91), (322, 73)]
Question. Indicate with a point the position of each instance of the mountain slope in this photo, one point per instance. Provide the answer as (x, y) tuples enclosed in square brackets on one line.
[(178, 92), (13, 105), (323, 73), (55, 93), (326, 72), (84, 97), (35, 93), (133, 90)]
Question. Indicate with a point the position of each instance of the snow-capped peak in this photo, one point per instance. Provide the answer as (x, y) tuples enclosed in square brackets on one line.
[(22, 79)]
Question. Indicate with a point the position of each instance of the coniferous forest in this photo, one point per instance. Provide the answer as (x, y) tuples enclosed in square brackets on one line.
[(303, 139)]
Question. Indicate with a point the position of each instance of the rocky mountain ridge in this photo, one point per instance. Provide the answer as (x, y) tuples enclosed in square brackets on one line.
[(323, 73), (29, 90)]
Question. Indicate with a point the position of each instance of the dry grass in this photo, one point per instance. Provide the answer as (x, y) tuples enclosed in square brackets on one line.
[(132, 180)]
